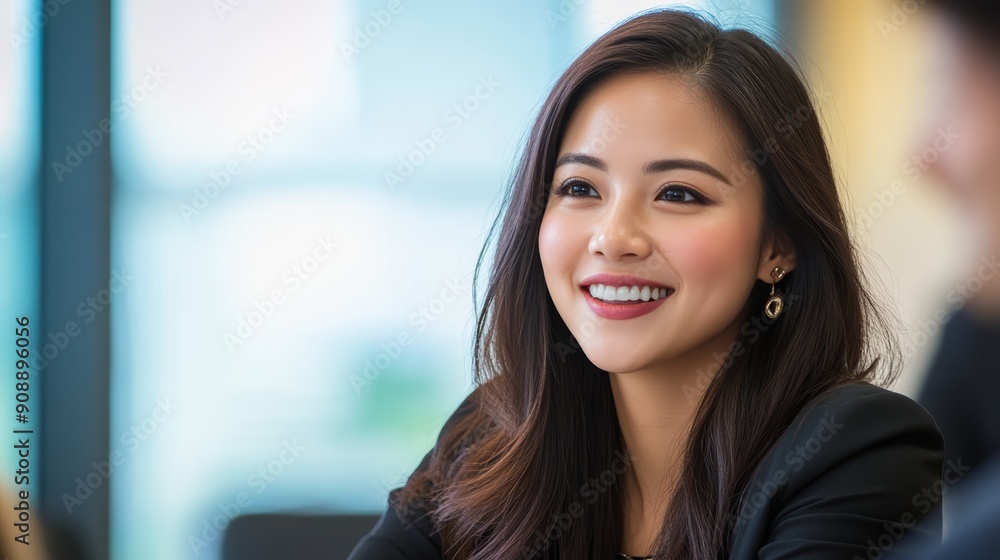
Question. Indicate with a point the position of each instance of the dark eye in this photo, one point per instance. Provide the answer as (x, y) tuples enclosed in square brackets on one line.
[(681, 195), (574, 188)]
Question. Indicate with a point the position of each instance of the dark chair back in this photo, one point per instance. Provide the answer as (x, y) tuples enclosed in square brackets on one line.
[(292, 536)]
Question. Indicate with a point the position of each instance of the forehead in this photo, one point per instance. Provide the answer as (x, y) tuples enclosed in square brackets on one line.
[(633, 118)]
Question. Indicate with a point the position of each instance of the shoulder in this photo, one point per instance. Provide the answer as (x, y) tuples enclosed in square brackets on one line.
[(406, 530), (852, 428), (855, 461), (855, 415), (859, 431), (400, 537)]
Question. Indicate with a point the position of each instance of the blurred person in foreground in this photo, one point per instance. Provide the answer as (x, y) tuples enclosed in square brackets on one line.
[(963, 384)]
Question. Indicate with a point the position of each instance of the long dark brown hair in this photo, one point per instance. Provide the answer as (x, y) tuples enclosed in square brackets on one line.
[(518, 474)]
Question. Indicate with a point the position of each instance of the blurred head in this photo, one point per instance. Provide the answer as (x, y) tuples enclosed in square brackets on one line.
[(965, 68)]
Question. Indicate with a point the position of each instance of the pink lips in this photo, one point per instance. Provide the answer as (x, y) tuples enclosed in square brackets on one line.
[(624, 310)]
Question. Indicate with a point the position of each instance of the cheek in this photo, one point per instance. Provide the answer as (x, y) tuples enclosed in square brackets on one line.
[(555, 249), (548, 249), (714, 255)]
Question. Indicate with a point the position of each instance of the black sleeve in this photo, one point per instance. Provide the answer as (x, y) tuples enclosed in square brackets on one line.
[(413, 536), (862, 470)]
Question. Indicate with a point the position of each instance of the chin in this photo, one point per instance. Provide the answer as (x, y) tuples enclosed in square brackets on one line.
[(612, 359)]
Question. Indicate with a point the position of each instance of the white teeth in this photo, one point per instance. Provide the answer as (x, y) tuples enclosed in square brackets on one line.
[(626, 293)]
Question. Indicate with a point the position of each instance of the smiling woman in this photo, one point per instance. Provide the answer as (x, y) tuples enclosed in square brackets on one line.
[(678, 356)]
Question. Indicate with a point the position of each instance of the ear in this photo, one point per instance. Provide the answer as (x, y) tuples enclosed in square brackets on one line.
[(776, 251)]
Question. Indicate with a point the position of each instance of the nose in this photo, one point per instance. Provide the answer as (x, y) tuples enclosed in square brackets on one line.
[(620, 235)]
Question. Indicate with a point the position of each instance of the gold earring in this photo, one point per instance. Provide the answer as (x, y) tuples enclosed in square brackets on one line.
[(775, 303)]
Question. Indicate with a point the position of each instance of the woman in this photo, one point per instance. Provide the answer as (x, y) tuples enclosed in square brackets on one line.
[(724, 409)]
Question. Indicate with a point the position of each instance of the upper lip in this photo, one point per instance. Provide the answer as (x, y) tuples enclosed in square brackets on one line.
[(620, 280)]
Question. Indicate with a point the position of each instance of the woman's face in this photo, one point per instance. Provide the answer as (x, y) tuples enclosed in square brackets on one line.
[(691, 223)]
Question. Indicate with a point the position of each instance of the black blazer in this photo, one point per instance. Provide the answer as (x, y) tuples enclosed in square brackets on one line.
[(849, 478)]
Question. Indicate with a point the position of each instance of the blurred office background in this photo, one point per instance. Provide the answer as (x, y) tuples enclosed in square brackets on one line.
[(267, 249)]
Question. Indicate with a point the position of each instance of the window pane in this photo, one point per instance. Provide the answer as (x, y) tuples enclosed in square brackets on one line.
[(18, 222)]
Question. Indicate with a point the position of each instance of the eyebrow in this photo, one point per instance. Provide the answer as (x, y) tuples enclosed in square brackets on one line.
[(657, 166)]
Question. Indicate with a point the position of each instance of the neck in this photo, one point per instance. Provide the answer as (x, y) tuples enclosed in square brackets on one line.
[(655, 417), (656, 409)]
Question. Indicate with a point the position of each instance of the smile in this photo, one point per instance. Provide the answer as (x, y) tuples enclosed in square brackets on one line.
[(629, 302), (627, 293)]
